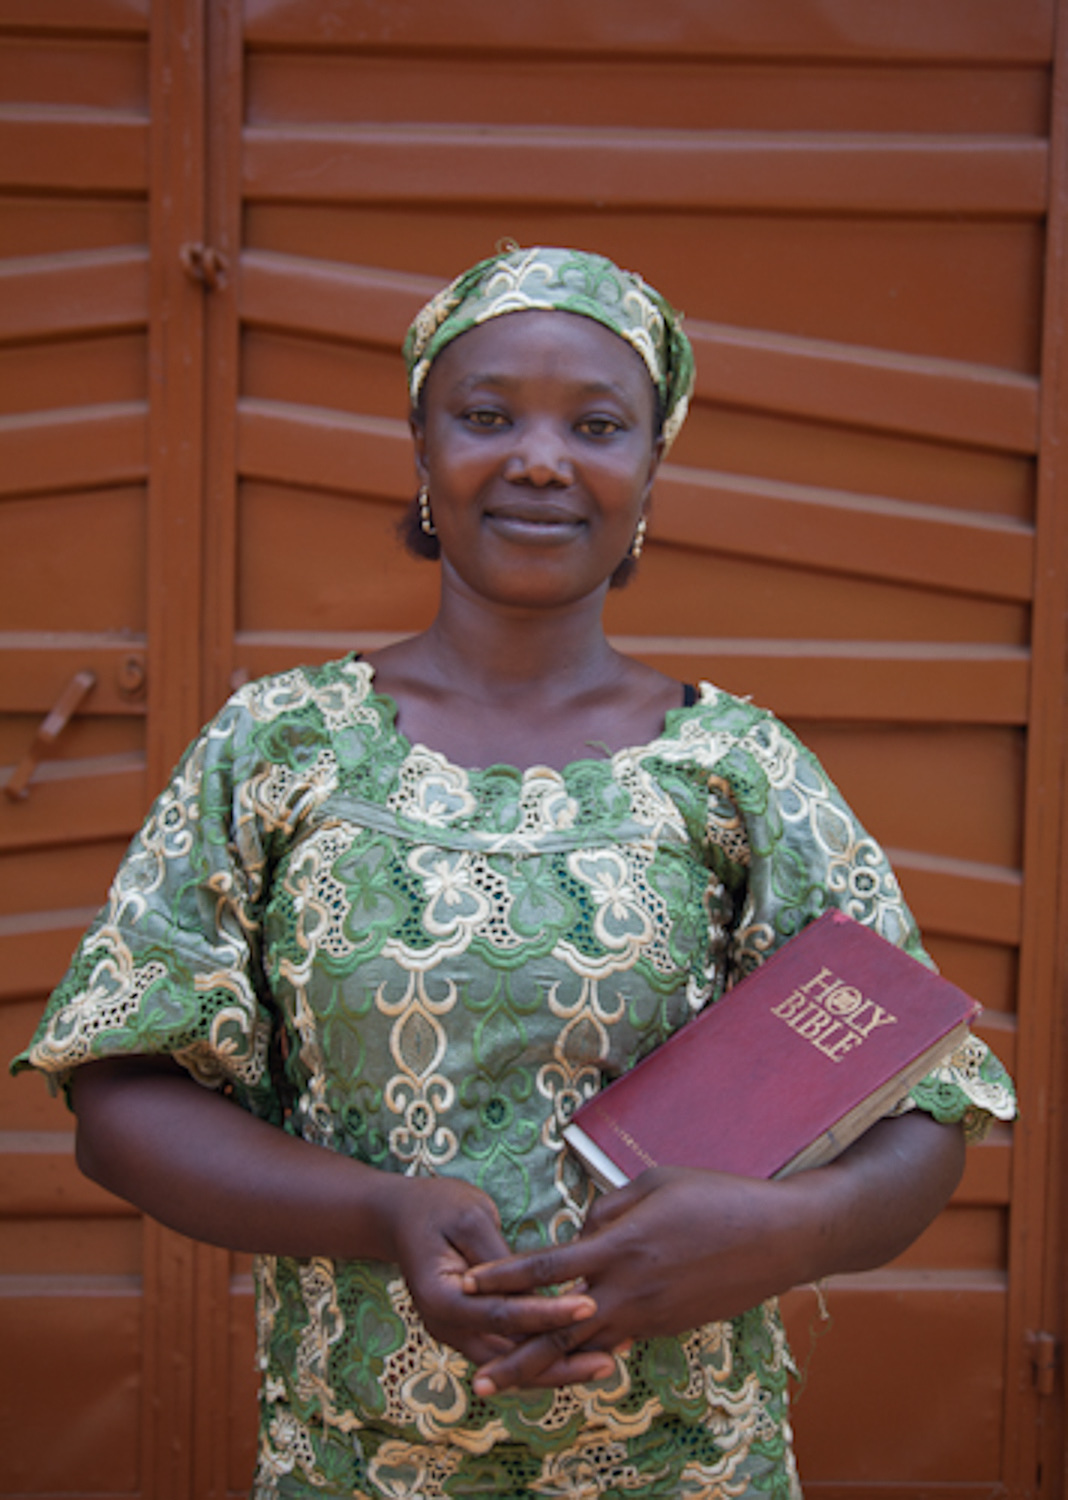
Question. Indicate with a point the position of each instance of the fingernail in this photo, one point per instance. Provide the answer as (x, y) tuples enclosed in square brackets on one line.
[(469, 1284), (483, 1386), (625, 1347), (584, 1308)]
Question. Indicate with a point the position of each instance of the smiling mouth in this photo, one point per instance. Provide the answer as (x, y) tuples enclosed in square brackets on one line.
[(537, 525)]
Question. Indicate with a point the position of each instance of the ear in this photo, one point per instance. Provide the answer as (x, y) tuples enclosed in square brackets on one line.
[(418, 432)]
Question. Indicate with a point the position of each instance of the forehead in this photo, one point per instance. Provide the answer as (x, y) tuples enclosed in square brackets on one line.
[(533, 344)]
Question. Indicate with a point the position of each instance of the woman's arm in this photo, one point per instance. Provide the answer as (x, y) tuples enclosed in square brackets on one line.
[(203, 1166), (678, 1247)]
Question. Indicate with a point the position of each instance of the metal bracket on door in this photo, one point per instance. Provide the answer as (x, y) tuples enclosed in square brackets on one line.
[(51, 727), (205, 264)]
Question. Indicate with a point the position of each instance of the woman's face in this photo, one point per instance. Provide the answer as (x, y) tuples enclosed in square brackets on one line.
[(537, 445)]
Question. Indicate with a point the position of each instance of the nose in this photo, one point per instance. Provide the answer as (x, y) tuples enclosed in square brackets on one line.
[(540, 456)]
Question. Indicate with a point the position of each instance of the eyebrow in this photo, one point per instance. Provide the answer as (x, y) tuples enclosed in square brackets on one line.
[(505, 382)]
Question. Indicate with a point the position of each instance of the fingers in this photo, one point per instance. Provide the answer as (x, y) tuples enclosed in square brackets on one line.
[(584, 1366), (552, 1359), (607, 1207), (471, 1323), (574, 1369), (559, 1266), (525, 1317), (476, 1236), (450, 1228)]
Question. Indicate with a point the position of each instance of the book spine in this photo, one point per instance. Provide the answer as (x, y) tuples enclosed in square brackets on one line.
[(604, 1171)]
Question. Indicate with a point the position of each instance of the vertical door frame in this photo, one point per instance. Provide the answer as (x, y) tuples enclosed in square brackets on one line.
[(1035, 1423), (225, 198), (176, 377), (172, 1264), (224, 41)]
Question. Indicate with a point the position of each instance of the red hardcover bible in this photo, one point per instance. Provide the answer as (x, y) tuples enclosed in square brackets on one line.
[(787, 1069)]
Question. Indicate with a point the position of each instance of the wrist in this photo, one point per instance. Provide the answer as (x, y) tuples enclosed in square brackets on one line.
[(808, 1208), (385, 1199)]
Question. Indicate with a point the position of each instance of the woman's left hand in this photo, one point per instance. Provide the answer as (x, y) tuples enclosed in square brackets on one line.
[(673, 1249), (679, 1247)]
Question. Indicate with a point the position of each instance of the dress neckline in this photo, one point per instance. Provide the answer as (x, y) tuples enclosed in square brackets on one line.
[(387, 704)]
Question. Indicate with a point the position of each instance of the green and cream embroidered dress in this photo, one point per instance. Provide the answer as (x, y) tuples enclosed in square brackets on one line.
[(427, 968)]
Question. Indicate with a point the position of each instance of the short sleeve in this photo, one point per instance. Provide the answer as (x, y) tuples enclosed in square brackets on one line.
[(807, 852), (171, 964)]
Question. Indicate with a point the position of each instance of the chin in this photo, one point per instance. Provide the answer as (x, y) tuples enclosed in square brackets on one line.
[(532, 584)]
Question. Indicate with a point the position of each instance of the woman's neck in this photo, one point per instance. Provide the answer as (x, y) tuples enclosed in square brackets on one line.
[(493, 654), (521, 690)]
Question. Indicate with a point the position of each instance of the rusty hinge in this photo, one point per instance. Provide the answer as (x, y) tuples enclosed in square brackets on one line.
[(1044, 1352), (205, 264)]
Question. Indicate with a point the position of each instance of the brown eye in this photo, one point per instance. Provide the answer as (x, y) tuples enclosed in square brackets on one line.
[(485, 417), (600, 426)]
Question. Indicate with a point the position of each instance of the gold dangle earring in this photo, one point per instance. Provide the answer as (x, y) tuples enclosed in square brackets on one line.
[(639, 538), (425, 520)]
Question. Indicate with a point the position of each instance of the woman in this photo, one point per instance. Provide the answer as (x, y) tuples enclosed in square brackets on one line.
[(353, 915)]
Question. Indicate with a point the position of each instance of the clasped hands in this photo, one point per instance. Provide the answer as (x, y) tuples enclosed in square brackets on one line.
[(674, 1249)]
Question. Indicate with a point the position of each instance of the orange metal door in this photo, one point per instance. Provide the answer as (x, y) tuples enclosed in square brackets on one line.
[(862, 209), (73, 472)]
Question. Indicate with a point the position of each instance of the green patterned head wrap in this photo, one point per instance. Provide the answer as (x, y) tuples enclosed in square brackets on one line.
[(572, 281)]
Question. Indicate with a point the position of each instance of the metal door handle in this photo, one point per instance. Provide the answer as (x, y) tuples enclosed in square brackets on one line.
[(49, 731)]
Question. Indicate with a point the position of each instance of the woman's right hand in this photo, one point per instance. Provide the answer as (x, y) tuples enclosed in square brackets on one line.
[(199, 1164), (441, 1228)]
